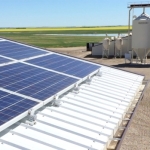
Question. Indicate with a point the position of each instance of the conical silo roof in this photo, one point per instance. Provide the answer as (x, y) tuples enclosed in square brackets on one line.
[(143, 16)]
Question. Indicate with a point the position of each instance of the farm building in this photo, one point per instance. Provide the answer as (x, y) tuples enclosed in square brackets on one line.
[(135, 44), (54, 101)]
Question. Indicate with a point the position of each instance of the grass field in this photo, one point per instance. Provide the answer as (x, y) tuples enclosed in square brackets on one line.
[(35, 36)]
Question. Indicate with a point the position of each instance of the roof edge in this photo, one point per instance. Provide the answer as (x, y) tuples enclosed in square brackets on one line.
[(132, 116)]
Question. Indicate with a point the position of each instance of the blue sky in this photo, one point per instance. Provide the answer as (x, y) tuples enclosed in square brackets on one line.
[(57, 13)]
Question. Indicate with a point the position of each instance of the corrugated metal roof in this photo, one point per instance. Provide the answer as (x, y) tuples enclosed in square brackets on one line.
[(86, 119)]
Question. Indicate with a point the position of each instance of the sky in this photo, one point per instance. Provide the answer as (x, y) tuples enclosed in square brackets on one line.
[(64, 13)]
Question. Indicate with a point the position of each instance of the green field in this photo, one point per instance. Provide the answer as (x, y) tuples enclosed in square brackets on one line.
[(35, 36), (65, 29)]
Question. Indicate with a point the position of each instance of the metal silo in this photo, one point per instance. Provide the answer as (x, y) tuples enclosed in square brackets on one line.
[(106, 45), (141, 36), (118, 46)]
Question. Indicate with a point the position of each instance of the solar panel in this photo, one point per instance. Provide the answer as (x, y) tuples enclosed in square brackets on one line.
[(39, 77), (32, 81), (18, 51), (4, 60), (65, 64), (12, 106)]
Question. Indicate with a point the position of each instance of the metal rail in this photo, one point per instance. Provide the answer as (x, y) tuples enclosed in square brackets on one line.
[(139, 5)]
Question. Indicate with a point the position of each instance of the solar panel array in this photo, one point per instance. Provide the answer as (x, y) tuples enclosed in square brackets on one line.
[(18, 51), (4, 60), (32, 81), (41, 76), (12, 106), (64, 64)]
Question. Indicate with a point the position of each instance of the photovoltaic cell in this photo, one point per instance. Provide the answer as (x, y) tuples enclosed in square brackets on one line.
[(4, 60), (11, 106), (32, 81), (65, 64), (18, 51)]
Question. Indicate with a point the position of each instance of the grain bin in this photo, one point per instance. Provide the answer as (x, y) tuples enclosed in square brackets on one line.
[(141, 36), (106, 45), (118, 46)]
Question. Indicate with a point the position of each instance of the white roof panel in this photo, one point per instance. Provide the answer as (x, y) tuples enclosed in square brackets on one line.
[(86, 116)]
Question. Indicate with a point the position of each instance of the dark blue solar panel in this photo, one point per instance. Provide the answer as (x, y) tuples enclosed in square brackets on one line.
[(66, 65), (11, 106), (32, 81), (17, 51), (4, 60)]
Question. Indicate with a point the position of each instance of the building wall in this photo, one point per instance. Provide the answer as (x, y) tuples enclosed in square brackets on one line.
[(97, 50)]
